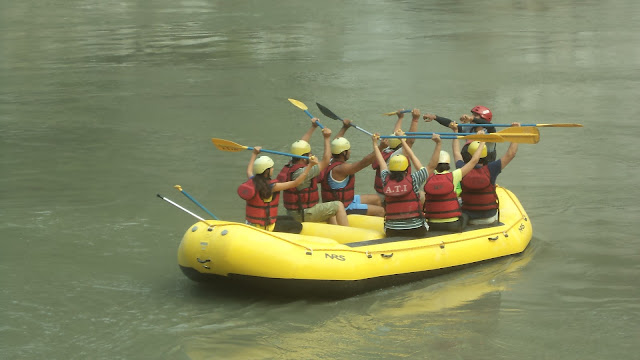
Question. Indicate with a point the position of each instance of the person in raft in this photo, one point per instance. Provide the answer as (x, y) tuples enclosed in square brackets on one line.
[(302, 201), (479, 115), (441, 207), (262, 193), (403, 211), (338, 180), (479, 198), (390, 147)]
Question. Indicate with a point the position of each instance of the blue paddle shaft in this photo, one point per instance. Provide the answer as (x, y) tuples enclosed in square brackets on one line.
[(439, 133), (197, 203), (280, 153), (418, 137), (311, 116)]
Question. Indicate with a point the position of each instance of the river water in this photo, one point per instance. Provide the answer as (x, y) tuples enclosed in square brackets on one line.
[(104, 104)]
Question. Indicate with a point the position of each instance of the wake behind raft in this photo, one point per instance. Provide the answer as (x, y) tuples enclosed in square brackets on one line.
[(331, 261)]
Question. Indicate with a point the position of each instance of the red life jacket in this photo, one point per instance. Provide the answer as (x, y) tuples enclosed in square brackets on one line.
[(345, 194), (295, 199), (441, 201), (401, 202), (478, 193), (377, 182), (257, 210)]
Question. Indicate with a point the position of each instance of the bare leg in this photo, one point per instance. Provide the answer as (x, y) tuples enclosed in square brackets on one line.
[(332, 220), (341, 215), (371, 199), (375, 210)]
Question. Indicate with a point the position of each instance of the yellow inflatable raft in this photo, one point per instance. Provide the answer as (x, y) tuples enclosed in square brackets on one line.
[(335, 261)]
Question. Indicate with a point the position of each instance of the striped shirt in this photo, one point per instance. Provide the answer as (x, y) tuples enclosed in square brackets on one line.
[(418, 178)]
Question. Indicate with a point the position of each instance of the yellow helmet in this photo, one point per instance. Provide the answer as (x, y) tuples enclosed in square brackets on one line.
[(339, 145), (262, 164), (300, 147), (398, 163), (444, 158), (473, 147), (394, 142)]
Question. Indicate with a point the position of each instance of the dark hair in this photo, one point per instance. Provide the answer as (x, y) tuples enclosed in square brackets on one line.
[(442, 167), (397, 175), (262, 182)]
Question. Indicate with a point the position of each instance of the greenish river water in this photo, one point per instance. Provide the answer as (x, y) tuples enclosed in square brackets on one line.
[(104, 104)]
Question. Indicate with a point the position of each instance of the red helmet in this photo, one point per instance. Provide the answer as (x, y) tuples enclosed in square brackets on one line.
[(483, 111)]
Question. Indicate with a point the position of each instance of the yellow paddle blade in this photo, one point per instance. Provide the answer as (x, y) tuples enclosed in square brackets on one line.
[(389, 113), (299, 104), (559, 125), (226, 145), (484, 137), (529, 130)]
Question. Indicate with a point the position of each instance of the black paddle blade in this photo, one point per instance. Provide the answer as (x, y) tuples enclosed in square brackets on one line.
[(328, 113)]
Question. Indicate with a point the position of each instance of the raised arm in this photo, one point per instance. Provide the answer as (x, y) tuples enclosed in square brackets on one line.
[(346, 124), (307, 136), (415, 118), (455, 144), (511, 151), (254, 154), (295, 183), (474, 160), (345, 169), (326, 154), (408, 152), (441, 120), (433, 163), (376, 151)]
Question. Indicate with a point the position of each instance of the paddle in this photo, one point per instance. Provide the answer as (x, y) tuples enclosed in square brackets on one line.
[(394, 112), (180, 207), (226, 145), (304, 107), (480, 137), (534, 125), (529, 135), (328, 113), (195, 201)]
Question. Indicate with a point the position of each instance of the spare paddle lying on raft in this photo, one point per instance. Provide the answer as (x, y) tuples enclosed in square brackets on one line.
[(304, 107), (226, 145), (528, 135), (394, 112), (479, 137), (534, 125), (195, 201), (328, 113)]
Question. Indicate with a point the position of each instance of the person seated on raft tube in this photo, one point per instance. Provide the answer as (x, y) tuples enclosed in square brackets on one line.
[(338, 180), (390, 147), (479, 115), (479, 198), (403, 210), (302, 202), (262, 193), (441, 207)]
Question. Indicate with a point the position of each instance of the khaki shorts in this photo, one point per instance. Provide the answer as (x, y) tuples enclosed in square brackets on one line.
[(319, 213)]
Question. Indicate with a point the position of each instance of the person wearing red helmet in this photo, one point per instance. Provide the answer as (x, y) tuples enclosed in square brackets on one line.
[(479, 115), (479, 198)]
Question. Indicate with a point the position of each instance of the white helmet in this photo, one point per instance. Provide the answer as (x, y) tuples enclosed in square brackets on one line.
[(339, 145), (262, 164), (300, 147), (444, 158)]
